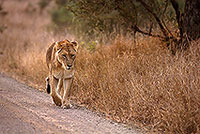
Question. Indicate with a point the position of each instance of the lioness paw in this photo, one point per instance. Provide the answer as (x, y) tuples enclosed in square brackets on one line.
[(57, 101), (66, 105)]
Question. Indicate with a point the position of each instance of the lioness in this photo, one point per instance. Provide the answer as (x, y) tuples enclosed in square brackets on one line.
[(60, 59)]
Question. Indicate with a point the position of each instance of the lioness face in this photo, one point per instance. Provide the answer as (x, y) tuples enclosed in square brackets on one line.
[(66, 53)]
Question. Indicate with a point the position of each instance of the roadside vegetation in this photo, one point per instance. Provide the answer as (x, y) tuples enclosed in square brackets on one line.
[(129, 77)]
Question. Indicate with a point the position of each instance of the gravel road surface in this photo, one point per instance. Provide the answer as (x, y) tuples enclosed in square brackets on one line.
[(25, 110)]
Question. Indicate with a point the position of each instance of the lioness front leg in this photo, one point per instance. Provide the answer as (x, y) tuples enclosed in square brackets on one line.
[(55, 85), (67, 90), (59, 87)]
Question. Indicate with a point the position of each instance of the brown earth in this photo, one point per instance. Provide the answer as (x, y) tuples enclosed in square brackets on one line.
[(26, 110)]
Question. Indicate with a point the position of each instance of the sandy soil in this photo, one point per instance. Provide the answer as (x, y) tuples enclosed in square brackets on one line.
[(27, 110)]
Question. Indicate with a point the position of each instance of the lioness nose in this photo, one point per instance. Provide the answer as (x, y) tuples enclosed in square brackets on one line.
[(69, 65)]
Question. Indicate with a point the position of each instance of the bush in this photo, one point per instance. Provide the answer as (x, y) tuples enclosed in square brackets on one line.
[(62, 17)]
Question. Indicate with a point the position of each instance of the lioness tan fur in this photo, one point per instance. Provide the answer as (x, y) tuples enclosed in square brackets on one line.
[(60, 59)]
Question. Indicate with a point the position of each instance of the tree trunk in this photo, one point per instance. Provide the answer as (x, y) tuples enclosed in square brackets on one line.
[(192, 19)]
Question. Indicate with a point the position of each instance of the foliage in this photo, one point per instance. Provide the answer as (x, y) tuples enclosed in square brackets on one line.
[(43, 4), (110, 16)]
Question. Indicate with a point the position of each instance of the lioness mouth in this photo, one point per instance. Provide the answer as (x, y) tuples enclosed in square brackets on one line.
[(69, 67)]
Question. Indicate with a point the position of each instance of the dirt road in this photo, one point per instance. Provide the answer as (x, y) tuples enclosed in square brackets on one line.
[(29, 111)]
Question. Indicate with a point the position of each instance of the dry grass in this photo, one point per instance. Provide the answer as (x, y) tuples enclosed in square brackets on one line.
[(140, 84)]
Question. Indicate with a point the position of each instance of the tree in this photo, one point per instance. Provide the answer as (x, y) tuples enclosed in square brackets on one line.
[(156, 18), (188, 22), (192, 19)]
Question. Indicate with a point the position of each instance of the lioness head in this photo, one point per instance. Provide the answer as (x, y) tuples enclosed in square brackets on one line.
[(66, 53)]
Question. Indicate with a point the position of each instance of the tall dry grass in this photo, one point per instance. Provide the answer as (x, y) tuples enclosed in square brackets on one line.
[(139, 84), (142, 84)]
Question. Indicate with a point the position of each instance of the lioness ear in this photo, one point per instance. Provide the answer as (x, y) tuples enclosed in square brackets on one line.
[(75, 45), (58, 46), (66, 40)]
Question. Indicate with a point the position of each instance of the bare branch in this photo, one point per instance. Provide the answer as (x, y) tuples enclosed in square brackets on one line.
[(164, 31), (136, 28)]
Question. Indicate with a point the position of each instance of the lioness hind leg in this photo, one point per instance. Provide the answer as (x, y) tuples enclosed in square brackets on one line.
[(56, 98), (48, 88)]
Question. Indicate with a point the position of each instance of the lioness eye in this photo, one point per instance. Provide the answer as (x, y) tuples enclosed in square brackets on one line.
[(64, 56), (73, 55)]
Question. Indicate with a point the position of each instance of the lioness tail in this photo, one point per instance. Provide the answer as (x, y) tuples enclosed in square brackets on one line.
[(48, 88)]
